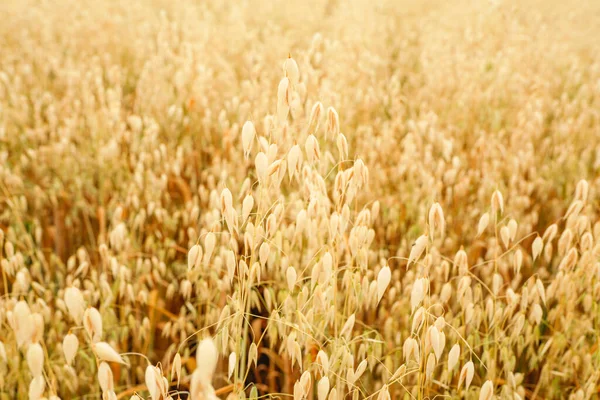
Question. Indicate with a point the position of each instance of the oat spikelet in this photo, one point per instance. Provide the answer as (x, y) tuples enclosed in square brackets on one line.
[(105, 352), (70, 346), (383, 280)]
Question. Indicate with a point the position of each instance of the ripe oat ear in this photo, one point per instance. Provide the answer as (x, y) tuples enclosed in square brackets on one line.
[(312, 149), (283, 100), (232, 364), (105, 377), (105, 352), (453, 357), (582, 190), (291, 277), (176, 368), (35, 359), (466, 375), (487, 391), (483, 223), (315, 118), (75, 303), (92, 322), (417, 249), (536, 247), (261, 163), (333, 122), (206, 358), (194, 257), (383, 280), (37, 387), (497, 202), (291, 71), (323, 388)]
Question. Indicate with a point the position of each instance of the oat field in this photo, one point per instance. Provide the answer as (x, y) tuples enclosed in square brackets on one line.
[(318, 199)]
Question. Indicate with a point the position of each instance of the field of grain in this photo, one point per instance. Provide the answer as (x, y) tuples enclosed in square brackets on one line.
[(319, 200)]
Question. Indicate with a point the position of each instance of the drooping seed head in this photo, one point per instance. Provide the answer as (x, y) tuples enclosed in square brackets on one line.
[(105, 377), (70, 346), (35, 359), (105, 352), (92, 322)]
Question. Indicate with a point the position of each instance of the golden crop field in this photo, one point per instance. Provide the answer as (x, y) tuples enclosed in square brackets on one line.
[(307, 200)]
